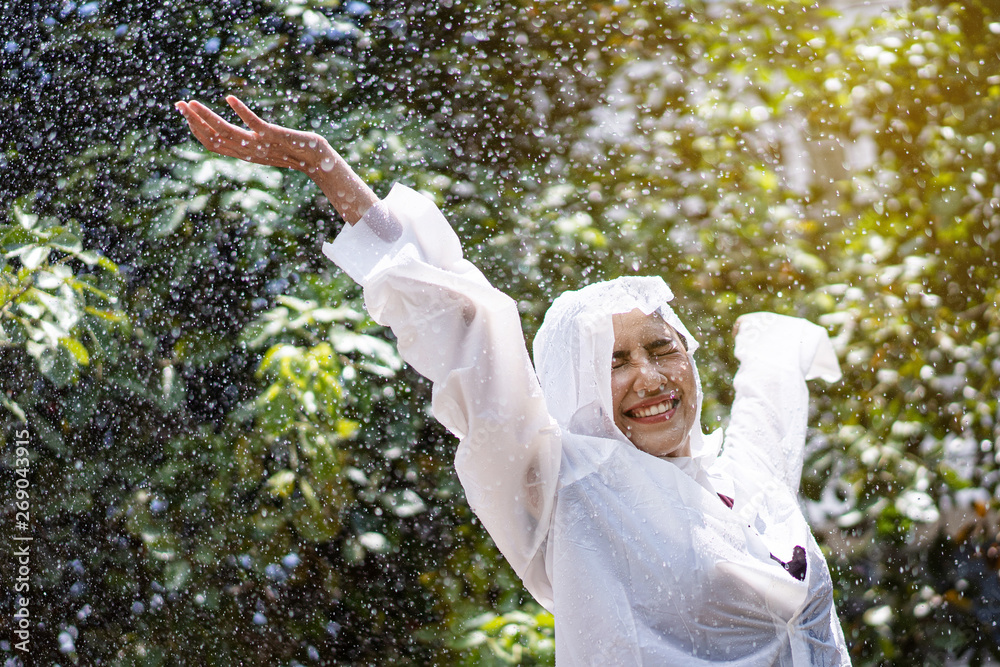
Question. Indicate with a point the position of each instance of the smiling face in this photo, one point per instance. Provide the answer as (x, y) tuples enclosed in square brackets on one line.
[(653, 389)]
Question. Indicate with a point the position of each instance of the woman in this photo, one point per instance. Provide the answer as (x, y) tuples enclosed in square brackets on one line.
[(652, 543)]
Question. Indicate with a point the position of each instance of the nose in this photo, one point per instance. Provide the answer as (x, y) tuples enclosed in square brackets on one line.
[(648, 376)]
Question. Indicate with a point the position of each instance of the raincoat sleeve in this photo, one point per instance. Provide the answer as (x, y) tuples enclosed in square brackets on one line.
[(777, 354), (465, 336)]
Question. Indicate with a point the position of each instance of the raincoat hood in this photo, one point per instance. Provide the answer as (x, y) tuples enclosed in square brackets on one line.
[(573, 347)]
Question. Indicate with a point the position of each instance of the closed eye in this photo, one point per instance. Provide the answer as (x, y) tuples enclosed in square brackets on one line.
[(662, 348), (657, 349)]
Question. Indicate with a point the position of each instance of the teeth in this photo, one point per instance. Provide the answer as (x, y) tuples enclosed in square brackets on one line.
[(657, 409)]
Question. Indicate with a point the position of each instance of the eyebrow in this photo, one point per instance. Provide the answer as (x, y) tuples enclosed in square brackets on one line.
[(659, 342)]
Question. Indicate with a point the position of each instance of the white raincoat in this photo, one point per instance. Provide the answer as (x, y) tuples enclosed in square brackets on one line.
[(639, 558)]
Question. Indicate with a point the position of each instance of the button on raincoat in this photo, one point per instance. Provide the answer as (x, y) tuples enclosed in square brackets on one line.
[(639, 558)]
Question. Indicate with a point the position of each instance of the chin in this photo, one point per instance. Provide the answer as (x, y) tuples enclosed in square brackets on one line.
[(664, 450)]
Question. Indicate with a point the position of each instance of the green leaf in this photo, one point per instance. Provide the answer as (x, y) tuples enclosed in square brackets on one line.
[(33, 256), (282, 483), (177, 575), (169, 218), (115, 317), (77, 349), (14, 408)]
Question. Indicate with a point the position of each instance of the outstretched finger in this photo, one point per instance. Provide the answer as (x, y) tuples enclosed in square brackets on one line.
[(194, 120), (208, 137), (204, 132), (252, 120), (218, 124)]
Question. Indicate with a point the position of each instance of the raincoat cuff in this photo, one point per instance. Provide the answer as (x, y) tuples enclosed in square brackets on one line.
[(404, 225), (824, 364), (770, 338)]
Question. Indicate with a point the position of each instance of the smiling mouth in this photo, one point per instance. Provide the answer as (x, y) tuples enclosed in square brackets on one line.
[(668, 405)]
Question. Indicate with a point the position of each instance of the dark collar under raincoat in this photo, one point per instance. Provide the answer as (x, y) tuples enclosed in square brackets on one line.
[(644, 561)]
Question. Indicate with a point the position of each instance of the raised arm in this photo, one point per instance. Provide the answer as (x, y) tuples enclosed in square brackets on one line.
[(464, 335), (777, 354), (450, 324), (277, 146)]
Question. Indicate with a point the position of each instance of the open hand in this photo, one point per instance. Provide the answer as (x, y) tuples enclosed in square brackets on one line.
[(264, 143), (277, 146)]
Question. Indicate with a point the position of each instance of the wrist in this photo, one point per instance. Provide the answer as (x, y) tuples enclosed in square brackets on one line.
[(323, 160)]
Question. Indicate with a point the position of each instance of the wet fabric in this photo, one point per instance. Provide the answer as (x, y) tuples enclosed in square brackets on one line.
[(637, 556)]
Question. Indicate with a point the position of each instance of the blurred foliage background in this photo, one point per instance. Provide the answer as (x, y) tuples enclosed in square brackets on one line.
[(230, 464)]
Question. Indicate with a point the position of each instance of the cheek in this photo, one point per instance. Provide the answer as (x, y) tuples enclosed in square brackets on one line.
[(687, 382), (691, 391), (680, 377)]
